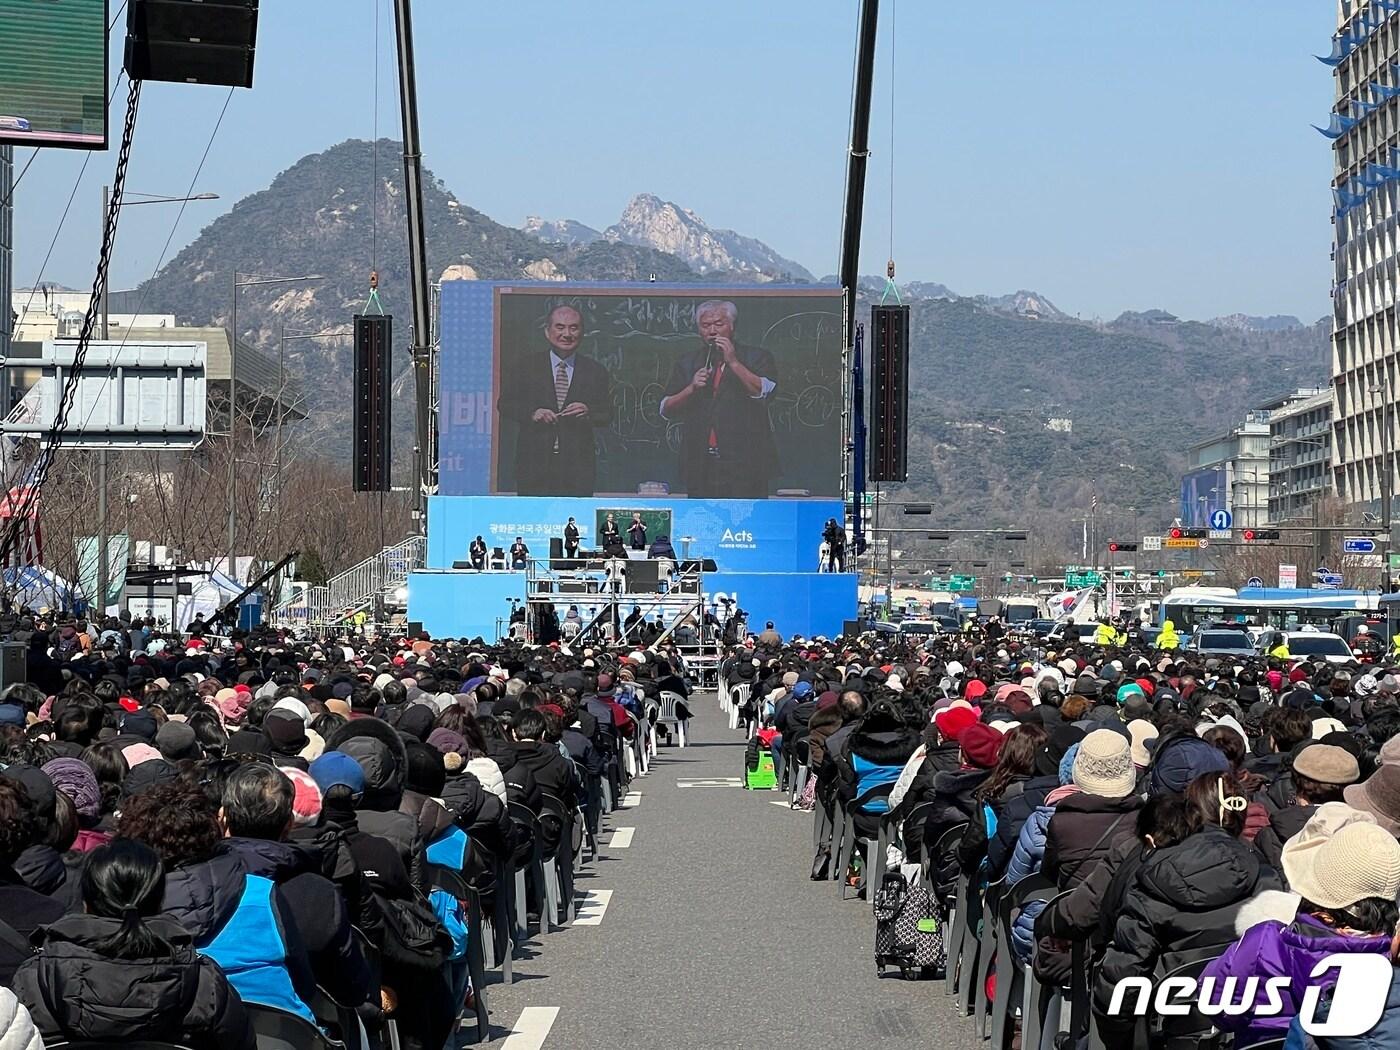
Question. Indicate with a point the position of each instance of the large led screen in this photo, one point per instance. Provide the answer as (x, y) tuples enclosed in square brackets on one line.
[(553, 389), (53, 73)]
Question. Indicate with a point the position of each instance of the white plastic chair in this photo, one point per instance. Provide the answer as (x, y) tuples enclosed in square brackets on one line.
[(669, 717)]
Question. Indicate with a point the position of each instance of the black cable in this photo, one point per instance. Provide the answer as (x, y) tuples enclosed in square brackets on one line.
[(21, 511)]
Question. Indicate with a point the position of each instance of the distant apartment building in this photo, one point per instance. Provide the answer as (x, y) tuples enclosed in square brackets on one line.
[(1230, 473), (1365, 133), (1300, 453)]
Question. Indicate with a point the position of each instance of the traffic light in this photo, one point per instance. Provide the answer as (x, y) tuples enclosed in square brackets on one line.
[(1174, 534), (1115, 546), (1195, 534), (1250, 535)]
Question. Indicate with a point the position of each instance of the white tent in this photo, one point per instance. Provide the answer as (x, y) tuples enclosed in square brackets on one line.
[(208, 594), (39, 588)]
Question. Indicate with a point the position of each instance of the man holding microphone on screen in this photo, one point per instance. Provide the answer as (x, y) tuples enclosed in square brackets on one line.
[(719, 393)]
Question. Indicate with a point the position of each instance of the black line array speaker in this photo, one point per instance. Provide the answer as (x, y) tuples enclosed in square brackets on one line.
[(192, 41), (373, 379), (643, 577), (889, 393)]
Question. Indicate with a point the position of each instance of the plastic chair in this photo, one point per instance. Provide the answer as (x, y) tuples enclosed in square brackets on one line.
[(986, 954), (558, 868), (1191, 1031), (453, 883), (521, 814), (874, 858), (1012, 977), (1042, 1006), (667, 715), (957, 916), (277, 1029)]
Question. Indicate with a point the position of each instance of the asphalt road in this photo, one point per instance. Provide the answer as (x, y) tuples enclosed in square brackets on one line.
[(712, 935)]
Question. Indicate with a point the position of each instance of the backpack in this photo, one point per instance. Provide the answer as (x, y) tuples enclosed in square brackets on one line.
[(908, 928)]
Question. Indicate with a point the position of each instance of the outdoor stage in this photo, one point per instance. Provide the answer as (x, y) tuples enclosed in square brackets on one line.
[(765, 554)]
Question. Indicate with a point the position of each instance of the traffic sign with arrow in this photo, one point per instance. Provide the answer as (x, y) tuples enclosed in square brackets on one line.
[(1359, 545)]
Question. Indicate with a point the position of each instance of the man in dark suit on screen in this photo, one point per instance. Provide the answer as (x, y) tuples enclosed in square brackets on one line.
[(556, 399), (719, 392)]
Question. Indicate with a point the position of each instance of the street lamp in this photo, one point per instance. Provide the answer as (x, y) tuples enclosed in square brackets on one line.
[(103, 561), (254, 280)]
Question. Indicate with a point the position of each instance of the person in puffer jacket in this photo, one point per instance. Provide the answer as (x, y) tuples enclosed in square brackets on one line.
[(122, 971), (1017, 811), (874, 756), (1083, 831), (1183, 902), (17, 1031), (1348, 878)]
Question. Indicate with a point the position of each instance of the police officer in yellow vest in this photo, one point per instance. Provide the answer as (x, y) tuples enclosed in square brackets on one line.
[(1280, 647), (1104, 634)]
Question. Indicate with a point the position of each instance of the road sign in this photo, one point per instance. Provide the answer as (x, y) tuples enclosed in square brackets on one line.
[(1221, 534), (1288, 577), (1359, 545), (1221, 520), (1192, 574), (1181, 544), (1254, 581), (1203, 543), (1327, 578), (1152, 543)]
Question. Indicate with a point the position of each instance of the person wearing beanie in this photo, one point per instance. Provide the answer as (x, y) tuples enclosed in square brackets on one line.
[(1348, 882), (1184, 901), (286, 734), (1321, 773), (1082, 826), (75, 779)]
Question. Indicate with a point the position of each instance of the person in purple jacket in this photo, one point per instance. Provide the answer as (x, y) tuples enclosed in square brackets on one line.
[(1346, 869)]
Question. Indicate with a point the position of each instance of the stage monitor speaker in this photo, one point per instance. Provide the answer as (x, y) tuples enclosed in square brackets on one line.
[(851, 627), (191, 41), (643, 577), (889, 393), (13, 665), (373, 393), (413, 628), (556, 547)]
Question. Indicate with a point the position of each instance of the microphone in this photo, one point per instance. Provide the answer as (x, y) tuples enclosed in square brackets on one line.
[(709, 355)]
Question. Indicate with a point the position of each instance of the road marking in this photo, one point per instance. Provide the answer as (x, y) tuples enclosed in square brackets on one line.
[(710, 782), (621, 838), (592, 905), (631, 799), (781, 802), (532, 1029)]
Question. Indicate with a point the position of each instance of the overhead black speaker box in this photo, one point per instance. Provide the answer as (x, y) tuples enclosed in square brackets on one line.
[(556, 547), (373, 382), (191, 41), (889, 393)]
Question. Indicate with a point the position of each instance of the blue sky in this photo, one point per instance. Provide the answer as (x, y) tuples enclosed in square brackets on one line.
[(1110, 157)]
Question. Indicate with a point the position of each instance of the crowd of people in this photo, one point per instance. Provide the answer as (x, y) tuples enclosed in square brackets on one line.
[(196, 829), (1236, 817)]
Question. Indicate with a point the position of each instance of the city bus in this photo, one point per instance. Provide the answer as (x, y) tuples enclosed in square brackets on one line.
[(1287, 610)]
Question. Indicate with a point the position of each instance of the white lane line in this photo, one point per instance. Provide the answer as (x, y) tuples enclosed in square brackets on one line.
[(632, 798), (532, 1029), (780, 802), (621, 838), (592, 906), (710, 782)]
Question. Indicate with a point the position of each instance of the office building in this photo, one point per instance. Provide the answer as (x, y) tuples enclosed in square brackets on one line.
[(1365, 133), (1229, 472), (1300, 452)]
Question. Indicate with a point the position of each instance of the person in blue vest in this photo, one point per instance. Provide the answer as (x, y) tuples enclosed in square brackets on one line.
[(311, 922)]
